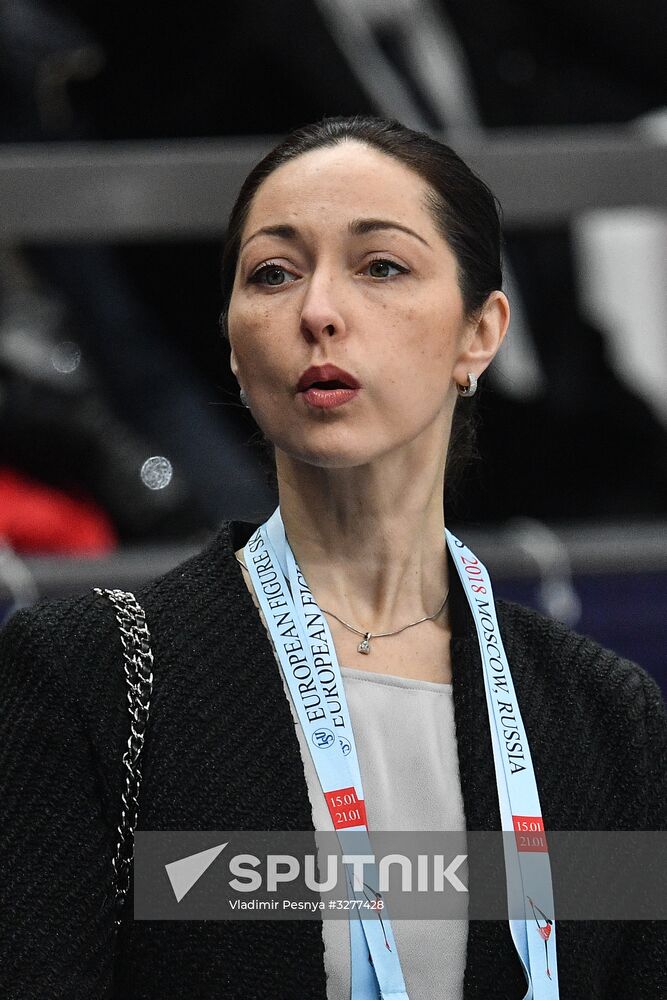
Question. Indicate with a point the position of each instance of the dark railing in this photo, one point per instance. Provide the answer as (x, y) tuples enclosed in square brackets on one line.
[(185, 188)]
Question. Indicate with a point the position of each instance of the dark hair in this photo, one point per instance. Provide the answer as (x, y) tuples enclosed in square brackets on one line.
[(464, 209)]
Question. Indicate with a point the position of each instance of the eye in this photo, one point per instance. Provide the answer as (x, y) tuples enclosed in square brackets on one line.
[(272, 275), (381, 268)]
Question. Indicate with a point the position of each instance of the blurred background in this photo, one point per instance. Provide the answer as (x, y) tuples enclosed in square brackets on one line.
[(125, 131)]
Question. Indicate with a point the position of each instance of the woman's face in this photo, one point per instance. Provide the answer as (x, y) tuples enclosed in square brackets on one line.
[(341, 264)]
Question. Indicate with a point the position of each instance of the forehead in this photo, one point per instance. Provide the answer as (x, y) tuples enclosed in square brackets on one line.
[(349, 180)]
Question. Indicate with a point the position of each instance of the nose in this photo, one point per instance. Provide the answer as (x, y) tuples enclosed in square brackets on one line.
[(321, 313)]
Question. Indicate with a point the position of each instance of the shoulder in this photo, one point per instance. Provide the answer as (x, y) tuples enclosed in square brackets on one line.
[(38, 643), (190, 611), (63, 660), (586, 706), (52, 697), (547, 650), (81, 626)]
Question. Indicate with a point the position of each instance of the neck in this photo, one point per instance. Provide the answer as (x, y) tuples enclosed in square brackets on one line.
[(370, 539)]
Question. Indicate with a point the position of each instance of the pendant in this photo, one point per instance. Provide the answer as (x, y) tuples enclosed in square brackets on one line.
[(365, 644)]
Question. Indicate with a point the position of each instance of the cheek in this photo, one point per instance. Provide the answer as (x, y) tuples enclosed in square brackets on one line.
[(418, 364), (421, 346), (248, 327)]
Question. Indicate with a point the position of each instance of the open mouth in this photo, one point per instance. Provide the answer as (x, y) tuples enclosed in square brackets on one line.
[(332, 384), (326, 386), (327, 378)]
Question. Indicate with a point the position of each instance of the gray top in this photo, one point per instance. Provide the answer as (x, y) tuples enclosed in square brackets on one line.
[(406, 743)]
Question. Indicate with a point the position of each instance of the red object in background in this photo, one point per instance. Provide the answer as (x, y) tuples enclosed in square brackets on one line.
[(38, 518)]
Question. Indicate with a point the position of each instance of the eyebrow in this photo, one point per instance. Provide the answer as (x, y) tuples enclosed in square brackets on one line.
[(282, 230), (358, 227)]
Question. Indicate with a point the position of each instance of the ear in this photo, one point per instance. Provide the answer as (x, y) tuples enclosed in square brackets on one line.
[(482, 338), (233, 364)]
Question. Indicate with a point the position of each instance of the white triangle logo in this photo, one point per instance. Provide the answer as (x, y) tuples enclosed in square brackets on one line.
[(186, 871)]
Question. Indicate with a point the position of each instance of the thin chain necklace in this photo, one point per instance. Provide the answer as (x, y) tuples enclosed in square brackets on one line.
[(365, 644)]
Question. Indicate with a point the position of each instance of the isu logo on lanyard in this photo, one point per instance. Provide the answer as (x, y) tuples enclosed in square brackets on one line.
[(307, 658)]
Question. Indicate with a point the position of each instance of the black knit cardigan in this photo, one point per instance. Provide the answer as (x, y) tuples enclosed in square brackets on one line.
[(220, 725)]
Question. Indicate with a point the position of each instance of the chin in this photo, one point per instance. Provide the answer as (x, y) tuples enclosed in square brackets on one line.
[(330, 451), (326, 459), (348, 445)]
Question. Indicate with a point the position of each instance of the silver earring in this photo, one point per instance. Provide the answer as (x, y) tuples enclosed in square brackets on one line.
[(470, 389), (243, 397)]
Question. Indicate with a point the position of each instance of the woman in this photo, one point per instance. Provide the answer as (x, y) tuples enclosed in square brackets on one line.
[(363, 300)]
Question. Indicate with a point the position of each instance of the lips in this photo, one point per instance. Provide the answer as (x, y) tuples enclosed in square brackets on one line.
[(326, 377), (326, 387)]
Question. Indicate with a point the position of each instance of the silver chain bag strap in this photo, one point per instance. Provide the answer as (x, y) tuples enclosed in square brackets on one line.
[(138, 665)]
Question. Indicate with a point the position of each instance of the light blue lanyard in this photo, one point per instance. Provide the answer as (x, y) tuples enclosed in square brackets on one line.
[(527, 868), (307, 657)]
